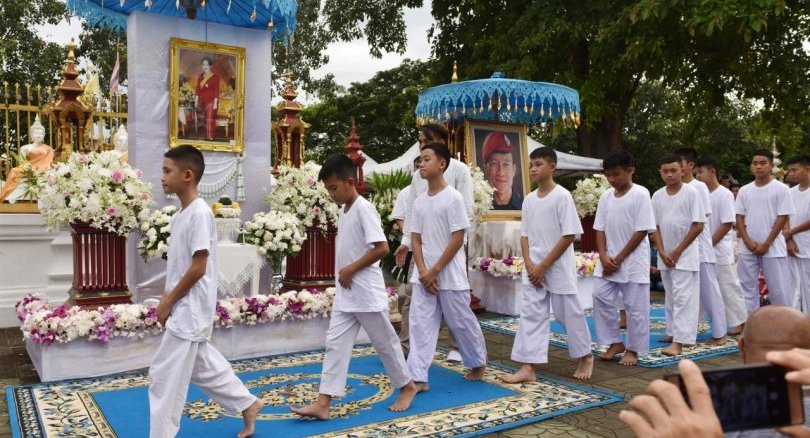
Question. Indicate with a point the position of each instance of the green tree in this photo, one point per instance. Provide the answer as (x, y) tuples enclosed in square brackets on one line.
[(100, 45)]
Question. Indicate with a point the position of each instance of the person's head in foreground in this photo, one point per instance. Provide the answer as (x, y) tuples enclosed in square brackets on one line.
[(619, 168), (689, 157), (542, 163), (433, 133), (435, 159), (762, 165), (671, 168), (338, 176), (707, 170), (798, 169), (183, 167)]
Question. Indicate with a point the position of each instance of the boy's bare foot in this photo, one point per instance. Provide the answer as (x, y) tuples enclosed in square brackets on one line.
[(629, 359), (716, 342), (736, 330), (673, 350), (622, 319), (319, 409), (616, 348), (405, 397), (421, 387), (476, 373), (666, 339), (526, 373), (249, 416), (585, 368)]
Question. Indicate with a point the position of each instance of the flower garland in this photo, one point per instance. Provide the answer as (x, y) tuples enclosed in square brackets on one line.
[(587, 193), (299, 192), (277, 234), (512, 267), (97, 189), (483, 193), (155, 230), (46, 325)]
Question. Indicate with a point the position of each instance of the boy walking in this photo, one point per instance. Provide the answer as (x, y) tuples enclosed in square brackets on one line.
[(623, 220), (679, 218), (720, 224), (440, 286), (360, 300), (798, 236), (763, 207), (187, 310), (548, 225)]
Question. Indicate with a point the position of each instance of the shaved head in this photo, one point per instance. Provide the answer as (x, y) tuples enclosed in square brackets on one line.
[(773, 328)]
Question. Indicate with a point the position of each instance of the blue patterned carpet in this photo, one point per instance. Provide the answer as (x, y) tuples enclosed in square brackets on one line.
[(118, 406), (509, 325)]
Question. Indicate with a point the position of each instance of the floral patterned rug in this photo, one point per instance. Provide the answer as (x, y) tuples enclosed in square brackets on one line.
[(118, 406), (655, 359)]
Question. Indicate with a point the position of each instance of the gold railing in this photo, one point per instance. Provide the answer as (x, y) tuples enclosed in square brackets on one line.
[(19, 106)]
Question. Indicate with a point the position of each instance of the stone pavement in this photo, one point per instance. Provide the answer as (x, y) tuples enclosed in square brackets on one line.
[(16, 368)]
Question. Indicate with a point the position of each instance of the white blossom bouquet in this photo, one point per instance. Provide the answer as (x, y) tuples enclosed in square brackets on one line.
[(96, 189), (155, 230), (511, 267), (277, 234), (299, 192), (587, 193), (483, 193), (384, 203), (586, 263)]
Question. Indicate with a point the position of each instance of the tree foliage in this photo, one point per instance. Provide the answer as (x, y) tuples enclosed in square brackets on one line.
[(100, 45)]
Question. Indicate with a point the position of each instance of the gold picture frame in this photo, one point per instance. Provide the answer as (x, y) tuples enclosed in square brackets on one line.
[(206, 107), (504, 142)]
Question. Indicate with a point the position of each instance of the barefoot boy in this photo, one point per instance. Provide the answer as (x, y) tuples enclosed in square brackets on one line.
[(440, 286), (623, 220), (548, 226), (798, 235), (763, 207), (679, 218), (187, 310), (360, 300)]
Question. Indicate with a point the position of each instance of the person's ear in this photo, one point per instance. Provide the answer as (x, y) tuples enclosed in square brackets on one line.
[(188, 174)]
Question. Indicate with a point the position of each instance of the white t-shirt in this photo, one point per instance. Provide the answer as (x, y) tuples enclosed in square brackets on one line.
[(705, 239), (457, 176), (801, 200), (545, 221), (620, 218), (358, 230), (193, 230), (674, 215), (761, 206), (401, 204), (722, 213), (436, 218)]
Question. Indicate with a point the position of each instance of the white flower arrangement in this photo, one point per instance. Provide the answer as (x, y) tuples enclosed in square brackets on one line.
[(384, 203), (155, 230), (45, 324), (96, 189), (511, 267), (276, 233), (587, 193), (299, 192), (483, 193)]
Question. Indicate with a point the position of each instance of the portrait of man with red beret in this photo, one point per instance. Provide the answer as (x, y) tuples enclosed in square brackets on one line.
[(500, 156)]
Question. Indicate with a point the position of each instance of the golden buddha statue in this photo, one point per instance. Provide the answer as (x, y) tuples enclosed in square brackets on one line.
[(37, 153)]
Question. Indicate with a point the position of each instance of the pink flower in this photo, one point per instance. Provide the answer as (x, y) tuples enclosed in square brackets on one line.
[(112, 211), (117, 176), (310, 181), (83, 158), (316, 210), (138, 173)]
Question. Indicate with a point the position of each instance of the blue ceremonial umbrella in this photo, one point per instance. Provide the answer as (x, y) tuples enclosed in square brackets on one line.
[(256, 14), (498, 99)]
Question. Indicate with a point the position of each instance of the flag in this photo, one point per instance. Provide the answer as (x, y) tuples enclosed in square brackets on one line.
[(114, 77)]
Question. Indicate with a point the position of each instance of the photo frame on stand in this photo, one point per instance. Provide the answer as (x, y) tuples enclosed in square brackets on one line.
[(500, 150), (207, 94)]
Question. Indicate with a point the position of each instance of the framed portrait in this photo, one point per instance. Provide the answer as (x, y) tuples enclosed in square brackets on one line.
[(500, 150), (206, 108)]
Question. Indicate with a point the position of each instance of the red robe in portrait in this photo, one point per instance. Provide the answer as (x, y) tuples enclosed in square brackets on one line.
[(207, 93)]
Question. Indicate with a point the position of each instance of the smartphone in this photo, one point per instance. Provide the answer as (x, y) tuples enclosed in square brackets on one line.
[(751, 396)]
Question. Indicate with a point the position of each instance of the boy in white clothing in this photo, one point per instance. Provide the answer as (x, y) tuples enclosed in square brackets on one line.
[(440, 286), (798, 233), (623, 220), (679, 217), (763, 207), (711, 299), (187, 310), (720, 224), (360, 300), (549, 225)]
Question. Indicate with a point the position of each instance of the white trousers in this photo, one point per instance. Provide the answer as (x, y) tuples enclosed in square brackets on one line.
[(531, 340), (711, 299), (777, 277), (340, 338), (637, 307), (178, 362), (732, 294), (427, 311), (681, 303), (800, 268)]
